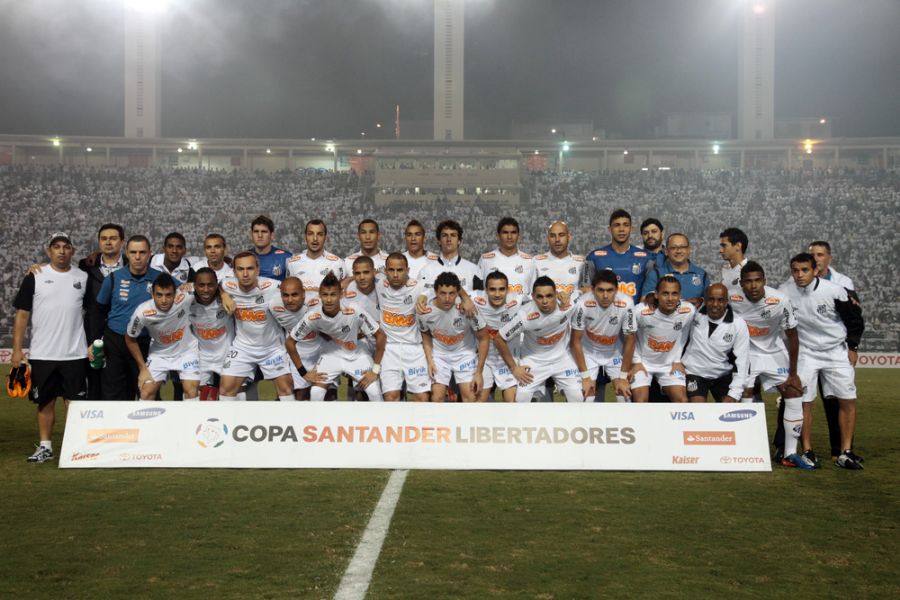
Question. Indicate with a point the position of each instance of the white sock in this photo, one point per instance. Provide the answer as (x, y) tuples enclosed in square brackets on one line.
[(374, 392), (317, 394), (522, 396), (793, 424), (227, 398), (47, 444), (288, 398)]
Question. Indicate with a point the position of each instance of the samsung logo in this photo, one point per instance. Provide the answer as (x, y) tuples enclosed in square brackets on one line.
[(146, 413), (738, 415)]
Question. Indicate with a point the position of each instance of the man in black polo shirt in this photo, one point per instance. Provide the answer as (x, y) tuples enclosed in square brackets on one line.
[(53, 298)]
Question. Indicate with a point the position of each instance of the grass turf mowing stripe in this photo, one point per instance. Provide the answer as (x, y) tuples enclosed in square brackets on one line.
[(355, 582)]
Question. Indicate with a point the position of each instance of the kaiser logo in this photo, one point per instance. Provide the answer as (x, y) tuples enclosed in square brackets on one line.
[(685, 460), (146, 413), (84, 456), (737, 415), (709, 438), (211, 433)]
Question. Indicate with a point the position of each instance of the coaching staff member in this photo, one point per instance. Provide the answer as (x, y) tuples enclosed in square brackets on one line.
[(122, 292)]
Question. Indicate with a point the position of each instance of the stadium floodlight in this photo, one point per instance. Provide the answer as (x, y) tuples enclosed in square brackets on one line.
[(625, 153), (55, 142), (88, 149), (594, 138), (536, 152), (553, 130), (192, 145), (329, 148), (565, 147), (268, 151), (822, 121), (180, 150), (378, 125), (359, 150), (716, 148), (312, 139), (808, 146)]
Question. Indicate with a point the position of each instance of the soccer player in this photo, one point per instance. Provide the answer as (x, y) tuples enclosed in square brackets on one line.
[(821, 251), (272, 260), (342, 352), (830, 326), (652, 234), (628, 262), (662, 334), (404, 356), (258, 339), (496, 310), (603, 334), (718, 356), (455, 345), (214, 329), (560, 265), (171, 260), (289, 309), (516, 265), (416, 255), (769, 314), (360, 294), (122, 292), (677, 263), (733, 245), (216, 249), (53, 299), (173, 346), (315, 263), (110, 239), (545, 351), (449, 236), (369, 235)]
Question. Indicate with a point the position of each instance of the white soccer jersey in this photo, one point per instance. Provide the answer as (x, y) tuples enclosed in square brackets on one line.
[(255, 325), (398, 310), (214, 330), (353, 297), (518, 268), (661, 338), (707, 354), (765, 320), (451, 330), (496, 318), (417, 264), (311, 344), (170, 331), (545, 337), (378, 259), (731, 277), (55, 300), (467, 272), (604, 327), (819, 326), (179, 273), (566, 272), (311, 271), (343, 329), (224, 271)]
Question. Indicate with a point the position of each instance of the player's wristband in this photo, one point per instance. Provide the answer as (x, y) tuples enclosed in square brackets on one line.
[(302, 370), (585, 374), (376, 368)]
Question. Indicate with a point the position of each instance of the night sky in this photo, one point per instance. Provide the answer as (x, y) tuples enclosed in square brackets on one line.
[(302, 68)]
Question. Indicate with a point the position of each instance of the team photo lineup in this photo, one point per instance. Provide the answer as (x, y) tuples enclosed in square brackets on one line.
[(406, 323)]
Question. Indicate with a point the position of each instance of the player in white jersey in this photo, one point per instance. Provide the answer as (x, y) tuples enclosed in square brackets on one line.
[(315, 263), (173, 346), (830, 326), (450, 235), (360, 294), (662, 334), (215, 249), (341, 353), (455, 345), (603, 334), (496, 310), (171, 260), (404, 356), (369, 235), (718, 338), (545, 353), (769, 314), (289, 309), (508, 259), (564, 268), (417, 257), (258, 338), (821, 251), (732, 248), (214, 329)]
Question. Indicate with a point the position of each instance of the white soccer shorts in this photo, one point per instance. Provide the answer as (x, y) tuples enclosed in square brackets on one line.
[(242, 362), (664, 376), (833, 368), (499, 374), (564, 372), (309, 359), (460, 364), (772, 369), (187, 365), (404, 362), (611, 366)]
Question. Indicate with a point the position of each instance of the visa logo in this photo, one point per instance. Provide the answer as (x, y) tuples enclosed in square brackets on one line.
[(91, 414), (683, 415)]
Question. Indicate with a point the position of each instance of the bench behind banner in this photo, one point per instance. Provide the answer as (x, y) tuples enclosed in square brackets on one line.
[(606, 436)]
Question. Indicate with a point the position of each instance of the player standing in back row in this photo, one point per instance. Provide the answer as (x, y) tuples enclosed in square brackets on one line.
[(628, 262)]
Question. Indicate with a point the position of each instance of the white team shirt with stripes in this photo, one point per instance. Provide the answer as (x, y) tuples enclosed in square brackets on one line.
[(766, 320)]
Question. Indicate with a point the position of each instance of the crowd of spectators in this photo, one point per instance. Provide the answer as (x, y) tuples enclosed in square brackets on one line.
[(781, 211)]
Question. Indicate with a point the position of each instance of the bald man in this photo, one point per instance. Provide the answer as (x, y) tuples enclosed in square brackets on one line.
[(717, 357)]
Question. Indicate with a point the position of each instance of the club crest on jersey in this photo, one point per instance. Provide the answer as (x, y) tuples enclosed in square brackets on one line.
[(728, 337), (458, 323), (276, 270), (345, 329), (180, 314), (520, 269), (735, 281), (260, 299), (636, 268), (765, 314), (220, 314), (695, 280), (77, 285), (150, 287), (408, 300), (692, 385), (678, 326), (505, 318), (822, 309), (614, 319), (572, 270)]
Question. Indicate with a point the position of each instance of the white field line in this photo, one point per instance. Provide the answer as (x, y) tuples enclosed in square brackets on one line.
[(356, 579)]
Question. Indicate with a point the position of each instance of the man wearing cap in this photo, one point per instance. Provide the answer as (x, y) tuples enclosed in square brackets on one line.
[(53, 298), (122, 292)]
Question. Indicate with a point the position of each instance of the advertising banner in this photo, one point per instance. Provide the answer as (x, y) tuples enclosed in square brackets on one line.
[(603, 436)]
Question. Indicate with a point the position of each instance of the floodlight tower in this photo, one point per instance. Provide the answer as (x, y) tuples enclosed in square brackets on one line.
[(449, 41), (756, 71), (143, 73)]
